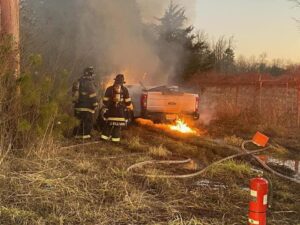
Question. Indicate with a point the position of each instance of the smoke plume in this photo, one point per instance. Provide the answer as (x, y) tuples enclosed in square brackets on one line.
[(118, 32), (115, 36)]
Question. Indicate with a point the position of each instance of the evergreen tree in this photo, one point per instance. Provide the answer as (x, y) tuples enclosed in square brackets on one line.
[(182, 52), (228, 61)]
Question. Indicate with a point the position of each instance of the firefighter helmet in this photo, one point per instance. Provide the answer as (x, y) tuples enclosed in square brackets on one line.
[(120, 79), (89, 71)]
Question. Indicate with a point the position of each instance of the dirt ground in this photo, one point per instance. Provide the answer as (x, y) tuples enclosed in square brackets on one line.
[(88, 184)]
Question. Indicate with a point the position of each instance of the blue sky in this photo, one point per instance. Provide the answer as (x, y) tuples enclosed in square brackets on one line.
[(258, 26)]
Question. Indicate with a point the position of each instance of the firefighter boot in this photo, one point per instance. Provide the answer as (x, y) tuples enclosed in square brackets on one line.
[(85, 127), (106, 132), (116, 134)]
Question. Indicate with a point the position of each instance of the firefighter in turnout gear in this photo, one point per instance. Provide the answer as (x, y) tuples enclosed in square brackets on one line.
[(116, 100), (85, 103)]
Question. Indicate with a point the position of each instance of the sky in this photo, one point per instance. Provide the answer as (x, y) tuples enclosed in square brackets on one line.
[(258, 26)]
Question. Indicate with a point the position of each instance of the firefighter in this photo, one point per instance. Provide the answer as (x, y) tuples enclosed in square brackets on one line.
[(85, 103), (116, 100)]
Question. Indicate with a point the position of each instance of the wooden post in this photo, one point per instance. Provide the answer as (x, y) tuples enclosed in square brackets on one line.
[(287, 97), (237, 88), (260, 93), (298, 106), (10, 31), (10, 26)]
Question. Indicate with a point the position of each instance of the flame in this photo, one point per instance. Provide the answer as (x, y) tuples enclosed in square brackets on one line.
[(131, 77), (182, 127)]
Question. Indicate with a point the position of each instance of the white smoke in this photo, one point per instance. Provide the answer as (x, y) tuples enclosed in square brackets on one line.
[(118, 32), (109, 34)]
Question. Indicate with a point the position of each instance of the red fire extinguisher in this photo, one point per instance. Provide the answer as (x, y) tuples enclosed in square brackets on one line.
[(258, 205)]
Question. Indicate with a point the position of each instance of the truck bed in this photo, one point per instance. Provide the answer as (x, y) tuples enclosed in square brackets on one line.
[(171, 103), (163, 103)]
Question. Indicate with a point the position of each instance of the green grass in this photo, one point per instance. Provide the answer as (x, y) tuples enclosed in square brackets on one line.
[(230, 171)]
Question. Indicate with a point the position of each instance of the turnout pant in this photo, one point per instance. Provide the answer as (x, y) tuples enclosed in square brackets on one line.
[(112, 131), (83, 131), (115, 120)]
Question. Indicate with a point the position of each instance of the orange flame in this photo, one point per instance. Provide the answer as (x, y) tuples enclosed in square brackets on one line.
[(182, 127)]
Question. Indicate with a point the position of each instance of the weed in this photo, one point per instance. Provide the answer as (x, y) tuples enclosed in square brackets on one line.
[(233, 140), (159, 151), (230, 170)]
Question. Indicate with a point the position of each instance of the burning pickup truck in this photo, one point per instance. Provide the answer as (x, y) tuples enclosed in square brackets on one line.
[(163, 103)]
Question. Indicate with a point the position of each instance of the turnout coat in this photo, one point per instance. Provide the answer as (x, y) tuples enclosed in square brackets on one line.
[(84, 92), (116, 102)]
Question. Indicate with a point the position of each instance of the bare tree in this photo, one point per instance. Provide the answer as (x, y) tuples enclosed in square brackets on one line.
[(223, 51), (297, 2)]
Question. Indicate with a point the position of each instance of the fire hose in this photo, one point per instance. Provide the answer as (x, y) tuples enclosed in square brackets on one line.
[(198, 173), (265, 166)]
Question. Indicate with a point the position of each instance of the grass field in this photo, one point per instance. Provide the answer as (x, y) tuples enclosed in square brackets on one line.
[(89, 184)]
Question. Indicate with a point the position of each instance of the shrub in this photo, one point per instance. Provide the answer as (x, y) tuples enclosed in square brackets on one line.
[(45, 104)]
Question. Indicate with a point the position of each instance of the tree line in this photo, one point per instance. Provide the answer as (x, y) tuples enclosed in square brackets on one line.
[(52, 29), (200, 56)]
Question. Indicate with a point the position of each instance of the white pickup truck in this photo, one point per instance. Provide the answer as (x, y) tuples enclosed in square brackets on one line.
[(163, 103)]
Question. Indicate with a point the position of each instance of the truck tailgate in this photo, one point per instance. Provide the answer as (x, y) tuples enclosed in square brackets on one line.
[(171, 103)]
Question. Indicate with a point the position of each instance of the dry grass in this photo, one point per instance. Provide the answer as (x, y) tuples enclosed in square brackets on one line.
[(233, 140), (276, 107), (159, 151), (87, 185), (135, 142), (242, 115)]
